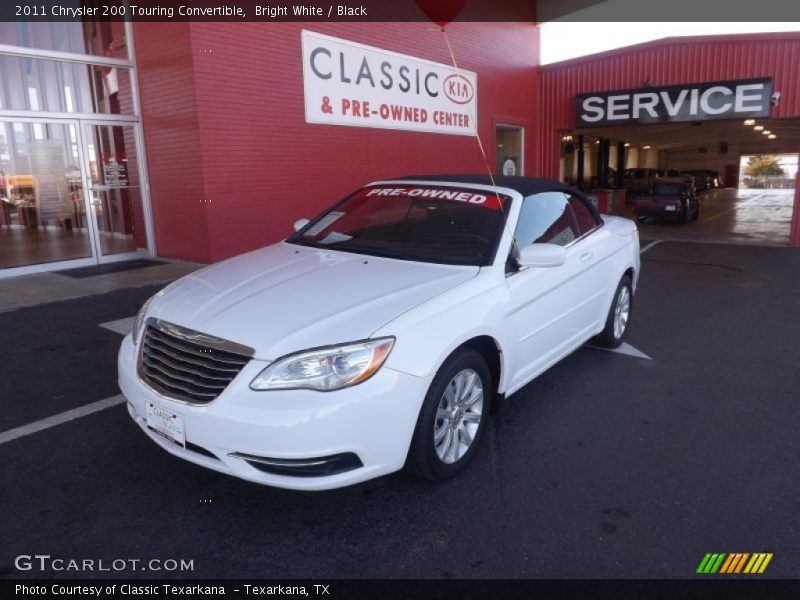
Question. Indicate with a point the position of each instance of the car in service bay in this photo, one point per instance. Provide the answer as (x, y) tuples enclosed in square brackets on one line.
[(380, 333), (674, 199)]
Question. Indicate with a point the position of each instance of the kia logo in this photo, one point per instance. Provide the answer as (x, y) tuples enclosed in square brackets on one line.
[(458, 89)]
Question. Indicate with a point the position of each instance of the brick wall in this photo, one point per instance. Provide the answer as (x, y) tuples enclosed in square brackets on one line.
[(166, 71)]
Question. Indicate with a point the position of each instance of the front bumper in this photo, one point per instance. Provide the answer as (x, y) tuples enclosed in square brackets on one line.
[(373, 420)]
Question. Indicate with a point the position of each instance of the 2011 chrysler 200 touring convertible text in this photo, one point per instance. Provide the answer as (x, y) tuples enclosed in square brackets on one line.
[(380, 333)]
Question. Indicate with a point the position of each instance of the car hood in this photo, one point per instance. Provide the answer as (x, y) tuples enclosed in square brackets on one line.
[(285, 298)]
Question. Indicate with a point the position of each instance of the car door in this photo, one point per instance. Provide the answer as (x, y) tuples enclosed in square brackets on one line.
[(551, 309), (597, 270)]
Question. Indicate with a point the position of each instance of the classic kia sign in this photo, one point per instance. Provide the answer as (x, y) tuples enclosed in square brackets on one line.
[(673, 103), (346, 83)]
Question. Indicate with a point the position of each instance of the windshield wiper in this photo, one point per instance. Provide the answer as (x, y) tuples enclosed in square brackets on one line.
[(309, 243)]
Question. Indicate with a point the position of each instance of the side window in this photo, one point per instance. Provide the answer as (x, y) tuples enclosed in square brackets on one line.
[(583, 215), (546, 218)]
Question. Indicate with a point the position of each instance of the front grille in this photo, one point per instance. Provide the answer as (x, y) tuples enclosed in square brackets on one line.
[(186, 370)]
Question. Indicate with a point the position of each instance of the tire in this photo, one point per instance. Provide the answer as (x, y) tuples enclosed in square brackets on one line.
[(432, 454), (696, 212), (611, 336)]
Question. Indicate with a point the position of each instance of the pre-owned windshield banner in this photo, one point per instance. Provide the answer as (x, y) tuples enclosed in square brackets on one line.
[(464, 196)]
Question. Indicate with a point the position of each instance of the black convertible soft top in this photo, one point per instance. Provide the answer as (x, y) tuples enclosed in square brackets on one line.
[(524, 185)]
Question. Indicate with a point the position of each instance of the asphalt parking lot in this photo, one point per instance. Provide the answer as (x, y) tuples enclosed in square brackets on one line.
[(607, 465)]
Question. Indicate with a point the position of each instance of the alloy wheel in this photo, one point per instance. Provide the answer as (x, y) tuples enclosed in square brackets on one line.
[(458, 416), (622, 311)]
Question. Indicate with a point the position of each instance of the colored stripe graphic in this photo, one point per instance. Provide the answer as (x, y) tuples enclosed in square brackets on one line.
[(711, 563), (741, 562), (727, 564), (758, 563), (734, 563)]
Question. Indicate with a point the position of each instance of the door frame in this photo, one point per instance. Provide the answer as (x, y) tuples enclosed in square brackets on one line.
[(144, 190), (91, 221)]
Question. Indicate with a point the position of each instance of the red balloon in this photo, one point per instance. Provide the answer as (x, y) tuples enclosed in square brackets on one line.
[(441, 12)]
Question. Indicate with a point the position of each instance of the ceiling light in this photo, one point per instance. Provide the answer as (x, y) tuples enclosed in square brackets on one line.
[(627, 144), (766, 132), (645, 147), (758, 128), (749, 121), (772, 137)]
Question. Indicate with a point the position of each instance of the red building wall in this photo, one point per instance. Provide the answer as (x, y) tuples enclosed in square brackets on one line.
[(232, 161), (168, 99)]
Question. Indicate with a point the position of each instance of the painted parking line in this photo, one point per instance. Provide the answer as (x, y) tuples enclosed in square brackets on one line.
[(650, 245), (624, 348), (59, 419), (120, 326)]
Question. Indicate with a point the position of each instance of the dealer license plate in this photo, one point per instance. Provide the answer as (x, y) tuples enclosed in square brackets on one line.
[(165, 423), (670, 208)]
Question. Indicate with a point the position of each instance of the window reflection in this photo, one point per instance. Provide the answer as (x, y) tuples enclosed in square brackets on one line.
[(42, 209), (87, 37), (58, 86)]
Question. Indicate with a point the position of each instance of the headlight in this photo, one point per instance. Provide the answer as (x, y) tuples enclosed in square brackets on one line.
[(325, 369), (138, 322)]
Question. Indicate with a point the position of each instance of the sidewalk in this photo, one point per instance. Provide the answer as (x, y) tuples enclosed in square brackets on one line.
[(41, 288)]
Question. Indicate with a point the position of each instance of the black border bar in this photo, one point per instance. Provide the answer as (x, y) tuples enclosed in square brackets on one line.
[(705, 587), (712, 11)]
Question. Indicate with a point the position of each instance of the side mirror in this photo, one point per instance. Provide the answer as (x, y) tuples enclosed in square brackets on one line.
[(542, 255), (300, 223)]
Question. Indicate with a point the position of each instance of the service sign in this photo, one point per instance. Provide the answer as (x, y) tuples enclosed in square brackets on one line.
[(346, 83), (674, 103)]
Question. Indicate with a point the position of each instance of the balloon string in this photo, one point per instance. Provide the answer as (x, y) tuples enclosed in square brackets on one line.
[(480, 145), (474, 117)]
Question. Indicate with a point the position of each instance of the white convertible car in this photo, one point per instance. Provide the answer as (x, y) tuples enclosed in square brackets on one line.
[(380, 333)]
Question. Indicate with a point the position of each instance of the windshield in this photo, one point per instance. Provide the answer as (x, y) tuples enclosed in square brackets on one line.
[(427, 223)]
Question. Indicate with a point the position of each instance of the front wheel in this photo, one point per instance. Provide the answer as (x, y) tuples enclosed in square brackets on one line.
[(452, 418), (618, 315)]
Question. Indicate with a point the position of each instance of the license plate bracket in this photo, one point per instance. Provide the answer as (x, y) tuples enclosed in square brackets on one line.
[(165, 423)]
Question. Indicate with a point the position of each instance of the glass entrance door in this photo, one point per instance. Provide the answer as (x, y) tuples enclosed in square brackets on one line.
[(115, 190), (70, 194), (42, 202)]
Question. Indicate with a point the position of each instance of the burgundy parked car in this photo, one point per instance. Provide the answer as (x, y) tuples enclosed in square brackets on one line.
[(670, 199)]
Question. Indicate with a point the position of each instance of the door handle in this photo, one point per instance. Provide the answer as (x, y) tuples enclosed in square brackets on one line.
[(586, 256)]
